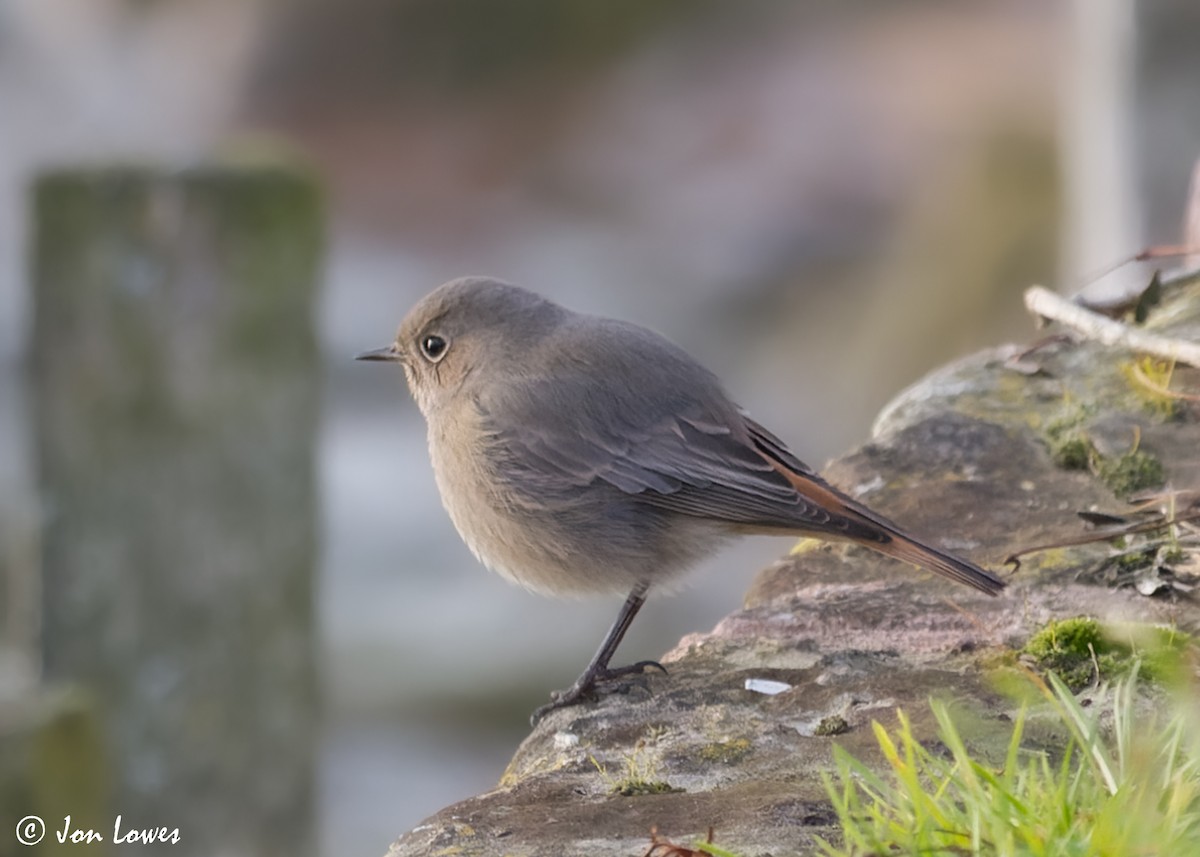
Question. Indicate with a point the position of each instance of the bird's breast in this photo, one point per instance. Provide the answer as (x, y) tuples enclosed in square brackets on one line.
[(600, 542), (521, 544)]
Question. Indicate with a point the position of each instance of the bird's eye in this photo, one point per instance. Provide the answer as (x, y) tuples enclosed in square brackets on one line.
[(434, 347)]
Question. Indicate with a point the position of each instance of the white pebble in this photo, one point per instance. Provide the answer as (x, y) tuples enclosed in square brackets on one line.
[(767, 686)]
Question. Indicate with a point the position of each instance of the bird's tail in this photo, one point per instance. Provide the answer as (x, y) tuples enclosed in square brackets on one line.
[(908, 549), (855, 522)]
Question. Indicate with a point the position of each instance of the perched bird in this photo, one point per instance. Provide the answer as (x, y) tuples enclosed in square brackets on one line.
[(580, 454)]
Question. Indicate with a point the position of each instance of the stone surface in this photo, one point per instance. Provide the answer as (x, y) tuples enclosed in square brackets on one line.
[(964, 454)]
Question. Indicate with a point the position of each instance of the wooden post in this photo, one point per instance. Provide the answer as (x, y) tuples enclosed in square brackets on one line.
[(175, 395)]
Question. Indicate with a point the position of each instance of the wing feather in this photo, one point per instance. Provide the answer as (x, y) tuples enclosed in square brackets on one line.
[(699, 458)]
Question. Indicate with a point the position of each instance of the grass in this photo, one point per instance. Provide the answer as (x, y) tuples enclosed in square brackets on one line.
[(1127, 784), (640, 776)]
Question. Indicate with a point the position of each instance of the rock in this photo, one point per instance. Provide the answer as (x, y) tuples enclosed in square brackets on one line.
[(841, 636)]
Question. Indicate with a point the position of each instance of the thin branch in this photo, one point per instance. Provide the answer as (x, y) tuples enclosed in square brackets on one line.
[(1102, 534), (1045, 303), (1165, 281)]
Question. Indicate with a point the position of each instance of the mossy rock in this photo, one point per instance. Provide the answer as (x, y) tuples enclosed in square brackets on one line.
[(1134, 471), (1081, 651)]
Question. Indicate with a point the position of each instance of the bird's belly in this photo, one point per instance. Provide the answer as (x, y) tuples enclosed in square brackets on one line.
[(525, 548), (565, 550)]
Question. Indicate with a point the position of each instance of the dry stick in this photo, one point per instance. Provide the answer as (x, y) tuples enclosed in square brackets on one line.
[(1167, 280), (1102, 535), (1156, 252), (1047, 304)]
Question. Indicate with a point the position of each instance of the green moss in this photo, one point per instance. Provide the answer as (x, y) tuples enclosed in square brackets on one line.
[(1080, 651), (726, 752), (1072, 636), (1134, 471), (632, 788), (1070, 447), (1136, 560), (1072, 453), (1073, 648), (834, 724)]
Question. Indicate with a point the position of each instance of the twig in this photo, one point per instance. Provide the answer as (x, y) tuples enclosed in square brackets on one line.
[(1165, 281), (1101, 535), (1045, 303)]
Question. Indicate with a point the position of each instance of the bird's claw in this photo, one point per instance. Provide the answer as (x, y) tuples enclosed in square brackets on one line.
[(587, 683)]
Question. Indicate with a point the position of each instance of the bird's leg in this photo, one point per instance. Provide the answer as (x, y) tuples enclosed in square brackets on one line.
[(598, 670)]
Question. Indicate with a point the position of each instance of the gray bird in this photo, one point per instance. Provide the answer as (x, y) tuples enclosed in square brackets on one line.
[(578, 454)]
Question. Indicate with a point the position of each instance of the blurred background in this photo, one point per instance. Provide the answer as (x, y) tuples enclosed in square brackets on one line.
[(230, 601)]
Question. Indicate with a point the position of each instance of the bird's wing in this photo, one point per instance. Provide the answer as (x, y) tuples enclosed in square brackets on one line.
[(694, 455), (685, 448)]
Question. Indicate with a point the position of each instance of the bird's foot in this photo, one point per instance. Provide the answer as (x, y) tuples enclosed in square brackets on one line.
[(586, 685)]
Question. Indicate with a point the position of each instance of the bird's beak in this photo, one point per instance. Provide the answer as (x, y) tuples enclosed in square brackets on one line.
[(388, 353)]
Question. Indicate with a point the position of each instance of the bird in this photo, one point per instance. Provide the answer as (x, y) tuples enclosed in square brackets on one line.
[(578, 454)]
